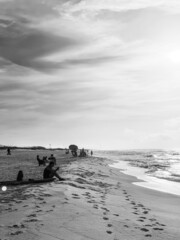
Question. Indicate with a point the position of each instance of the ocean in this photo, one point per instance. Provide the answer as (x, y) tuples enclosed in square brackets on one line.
[(158, 169)]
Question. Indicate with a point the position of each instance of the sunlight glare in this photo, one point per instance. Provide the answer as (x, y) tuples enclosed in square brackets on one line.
[(174, 56)]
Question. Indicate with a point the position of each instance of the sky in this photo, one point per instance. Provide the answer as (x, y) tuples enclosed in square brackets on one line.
[(101, 74)]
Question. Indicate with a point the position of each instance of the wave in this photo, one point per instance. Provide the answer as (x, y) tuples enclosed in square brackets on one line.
[(157, 163)]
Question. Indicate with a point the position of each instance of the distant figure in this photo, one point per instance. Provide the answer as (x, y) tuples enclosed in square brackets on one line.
[(40, 161), (52, 159), (45, 159), (91, 152), (67, 151), (82, 153), (50, 172), (74, 153), (8, 151), (20, 176)]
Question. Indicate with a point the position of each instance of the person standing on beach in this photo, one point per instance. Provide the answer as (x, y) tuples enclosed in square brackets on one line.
[(50, 172), (8, 151), (91, 152)]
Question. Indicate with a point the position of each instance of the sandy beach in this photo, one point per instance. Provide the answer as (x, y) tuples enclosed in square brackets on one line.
[(95, 202)]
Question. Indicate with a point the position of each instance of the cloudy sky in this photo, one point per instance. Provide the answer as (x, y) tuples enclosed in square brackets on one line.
[(102, 74)]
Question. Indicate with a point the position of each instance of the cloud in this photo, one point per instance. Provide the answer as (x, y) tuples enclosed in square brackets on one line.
[(27, 49), (23, 42), (94, 61), (122, 5), (29, 10)]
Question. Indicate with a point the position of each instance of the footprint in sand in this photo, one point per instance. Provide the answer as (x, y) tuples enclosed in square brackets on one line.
[(32, 215), (105, 218), (159, 224), (39, 210), (140, 220), (135, 213), (49, 210), (39, 198), (144, 230), (76, 197), (8, 209), (16, 233), (109, 225), (32, 220), (95, 206), (148, 235), (126, 226), (140, 205), (74, 194), (109, 232), (117, 215), (105, 209), (159, 229), (17, 226), (92, 201)]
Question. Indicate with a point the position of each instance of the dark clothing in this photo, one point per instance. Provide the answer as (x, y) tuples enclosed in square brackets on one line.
[(8, 151), (52, 159), (20, 176), (47, 172)]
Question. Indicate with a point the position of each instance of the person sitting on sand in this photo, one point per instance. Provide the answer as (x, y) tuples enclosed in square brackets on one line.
[(52, 159), (40, 161), (20, 176), (50, 172)]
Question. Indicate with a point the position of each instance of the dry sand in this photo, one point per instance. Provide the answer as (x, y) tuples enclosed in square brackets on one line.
[(95, 202)]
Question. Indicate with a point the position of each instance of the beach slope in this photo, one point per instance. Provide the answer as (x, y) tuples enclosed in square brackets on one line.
[(95, 202)]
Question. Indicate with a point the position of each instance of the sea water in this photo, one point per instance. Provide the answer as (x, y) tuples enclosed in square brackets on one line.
[(158, 169)]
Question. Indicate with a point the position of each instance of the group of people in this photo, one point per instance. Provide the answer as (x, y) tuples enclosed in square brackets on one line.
[(50, 171), (44, 160), (83, 152)]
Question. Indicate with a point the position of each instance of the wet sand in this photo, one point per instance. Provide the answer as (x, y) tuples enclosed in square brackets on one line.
[(95, 202)]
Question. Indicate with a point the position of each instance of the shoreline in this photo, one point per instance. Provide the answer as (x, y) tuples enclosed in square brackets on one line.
[(144, 180), (96, 202)]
